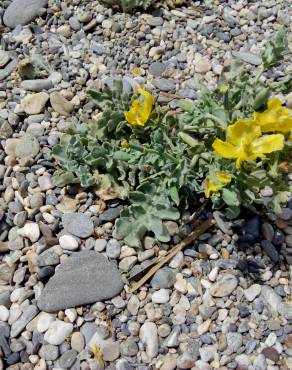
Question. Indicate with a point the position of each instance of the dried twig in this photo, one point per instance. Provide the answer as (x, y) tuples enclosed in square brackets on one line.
[(163, 260), (194, 217)]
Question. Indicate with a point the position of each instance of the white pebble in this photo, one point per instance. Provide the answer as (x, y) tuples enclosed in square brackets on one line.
[(58, 332), (4, 313), (148, 335), (160, 296), (68, 242), (44, 321), (71, 314), (31, 231)]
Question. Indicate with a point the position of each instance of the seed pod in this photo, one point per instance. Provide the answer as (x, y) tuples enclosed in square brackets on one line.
[(188, 139)]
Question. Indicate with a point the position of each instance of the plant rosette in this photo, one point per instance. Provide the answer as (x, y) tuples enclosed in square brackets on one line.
[(227, 146)]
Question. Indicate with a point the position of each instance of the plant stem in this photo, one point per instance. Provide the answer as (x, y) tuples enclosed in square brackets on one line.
[(259, 73)]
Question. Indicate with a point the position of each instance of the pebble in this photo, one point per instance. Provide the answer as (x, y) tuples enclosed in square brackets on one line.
[(161, 296), (4, 313), (44, 320), (252, 292), (37, 85), (113, 249), (163, 278), (58, 331), (68, 242), (21, 12), (34, 103), (163, 84), (77, 224), (247, 57), (60, 104), (224, 286), (4, 58), (148, 335), (77, 341)]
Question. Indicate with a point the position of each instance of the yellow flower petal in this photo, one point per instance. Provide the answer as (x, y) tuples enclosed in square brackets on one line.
[(267, 144), (224, 149), (221, 179), (242, 129), (124, 144), (275, 118), (140, 111)]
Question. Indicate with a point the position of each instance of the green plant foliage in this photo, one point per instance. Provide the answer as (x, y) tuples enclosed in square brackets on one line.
[(132, 5), (162, 167)]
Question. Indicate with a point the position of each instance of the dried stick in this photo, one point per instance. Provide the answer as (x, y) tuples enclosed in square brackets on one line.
[(163, 260)]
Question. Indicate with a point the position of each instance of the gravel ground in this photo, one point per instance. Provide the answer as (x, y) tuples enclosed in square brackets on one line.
[(223, 303)]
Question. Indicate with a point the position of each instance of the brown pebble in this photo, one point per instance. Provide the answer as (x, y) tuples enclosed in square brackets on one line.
[(281, 224), (224, 253), (271, 353)]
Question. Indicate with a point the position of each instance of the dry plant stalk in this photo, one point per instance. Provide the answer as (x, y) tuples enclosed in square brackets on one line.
[(163, 260)]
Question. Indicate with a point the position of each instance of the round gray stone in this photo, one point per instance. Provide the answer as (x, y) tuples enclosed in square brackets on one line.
[(78, 224)]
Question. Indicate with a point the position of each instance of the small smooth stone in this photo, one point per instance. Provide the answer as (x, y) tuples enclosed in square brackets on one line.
[(234, 341), (67, 359), (31, 231), (271, 353), (58, 331), (4, 58), (186, 361), (248, 57), (60, 104), (224, 286), (113, 249), (161, 296), (148, 335), (21, 12), (49, 352), (68, 242), (78, 224), (77, 341), (34, 103), (37, 85), (44, 320), (203, 65), (133, 305), (100, 245), (270, 250), (27, 315), (252, 292), (163, 84), (163, 278), (4, 313), (271, 297)]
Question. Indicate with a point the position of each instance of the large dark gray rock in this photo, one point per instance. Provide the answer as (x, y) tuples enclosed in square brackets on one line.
[(85, 277), (22, 12)]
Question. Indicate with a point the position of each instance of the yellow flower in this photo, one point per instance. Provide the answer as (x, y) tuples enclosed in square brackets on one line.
[(244, 142), (275, 118), (124, 144), (223, 88), (98, 356), (210, 186), (140, 111)]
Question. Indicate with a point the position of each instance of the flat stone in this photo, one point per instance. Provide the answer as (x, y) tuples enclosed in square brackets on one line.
[(110, 214), (252, 292), (156, 69), (163, 84), (271, 353), (28, 314), (34, 103), (4, 58), (22, 12), (27, 147), (224, 286), (85, 277), (60, 104), (272, 299), (37, 85), (163, 278), (270, 250), (248, 57), (67, 359), (49, 352), (78, 224), (7, 70)]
